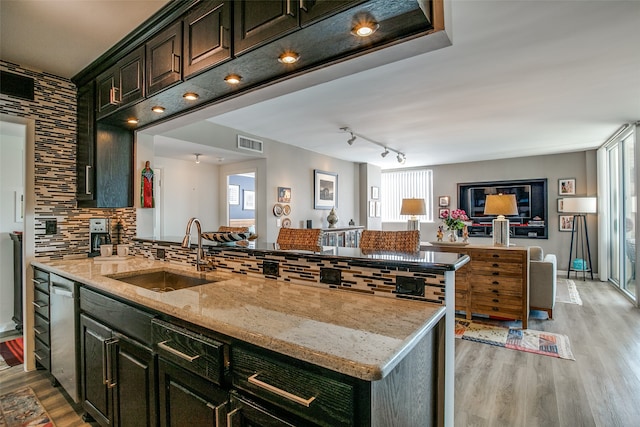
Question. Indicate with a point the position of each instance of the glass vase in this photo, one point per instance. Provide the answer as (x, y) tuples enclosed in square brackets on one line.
[(453, 236)]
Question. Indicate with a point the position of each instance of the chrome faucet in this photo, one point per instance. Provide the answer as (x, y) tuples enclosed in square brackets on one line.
[(186, 242)]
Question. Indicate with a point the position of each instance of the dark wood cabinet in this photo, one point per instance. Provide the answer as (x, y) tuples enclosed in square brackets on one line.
[(206, 36), (121, 84), (245, 413), (164, 58), (42, 352), (187, 399), (85, 147), (117, 364), (257, 22), (311, 10), (113, 167)]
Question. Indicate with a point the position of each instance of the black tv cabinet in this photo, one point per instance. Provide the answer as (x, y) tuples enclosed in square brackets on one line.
[(532, 221)]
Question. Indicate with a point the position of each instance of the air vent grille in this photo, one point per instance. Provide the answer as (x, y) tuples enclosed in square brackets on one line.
[(249, 144)]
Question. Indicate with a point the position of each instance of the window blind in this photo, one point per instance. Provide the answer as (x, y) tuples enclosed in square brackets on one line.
[(406, 184)]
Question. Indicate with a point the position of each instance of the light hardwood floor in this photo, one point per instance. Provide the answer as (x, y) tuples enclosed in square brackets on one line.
[(502, 387)]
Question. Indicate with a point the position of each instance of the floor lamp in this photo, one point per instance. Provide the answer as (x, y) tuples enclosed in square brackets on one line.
[(580, 207)]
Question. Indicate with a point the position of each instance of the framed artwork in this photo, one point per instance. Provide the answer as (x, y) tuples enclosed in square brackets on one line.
[(284, 195), (375, 193), (560, 205), (325, 189), (566, 186), (248, 200), (441, 212), (378, 209), (443, 201), (233, 194), (566, 222), (372, 209)]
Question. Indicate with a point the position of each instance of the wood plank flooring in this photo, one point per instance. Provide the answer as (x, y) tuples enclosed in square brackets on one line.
[(501, 387)]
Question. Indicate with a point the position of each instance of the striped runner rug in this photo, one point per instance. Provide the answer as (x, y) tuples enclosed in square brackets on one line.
[(11, 353)]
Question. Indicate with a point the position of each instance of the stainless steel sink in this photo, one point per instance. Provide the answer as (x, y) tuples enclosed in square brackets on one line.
[(164, 280)]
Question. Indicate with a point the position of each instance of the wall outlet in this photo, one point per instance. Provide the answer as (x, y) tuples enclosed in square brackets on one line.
[(331, 276), (51, 226), (410, 286), (159, 253), (270, 268)]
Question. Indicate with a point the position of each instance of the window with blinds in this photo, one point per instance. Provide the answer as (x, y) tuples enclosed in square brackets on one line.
[(406, 184)]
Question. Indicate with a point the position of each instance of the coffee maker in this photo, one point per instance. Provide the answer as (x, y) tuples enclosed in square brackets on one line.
[(99, 234)]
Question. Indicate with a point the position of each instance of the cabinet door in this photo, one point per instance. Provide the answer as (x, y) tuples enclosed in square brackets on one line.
[(257, 22), (95, 393), (114, 164), (248, 414), (164, 59), (131, 77), (134, 387), (311, 10), (189, 400), (206, 36), (107, 92), (85, 171)]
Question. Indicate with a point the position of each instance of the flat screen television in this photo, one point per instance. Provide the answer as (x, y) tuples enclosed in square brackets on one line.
[(477, 196)]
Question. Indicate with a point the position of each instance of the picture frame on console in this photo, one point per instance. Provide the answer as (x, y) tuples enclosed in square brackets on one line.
[(566, 223)]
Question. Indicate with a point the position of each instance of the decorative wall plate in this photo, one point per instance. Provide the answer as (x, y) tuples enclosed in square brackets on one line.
[(286, 209), (286, 223), (277, 209)]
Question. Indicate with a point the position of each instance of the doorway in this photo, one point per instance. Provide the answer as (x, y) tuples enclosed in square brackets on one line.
[(241, 200)]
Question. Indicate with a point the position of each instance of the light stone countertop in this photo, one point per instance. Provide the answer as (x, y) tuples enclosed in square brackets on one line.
[(358, 335)]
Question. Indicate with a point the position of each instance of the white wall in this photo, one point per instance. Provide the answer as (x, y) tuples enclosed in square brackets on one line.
[(187, 190), (11, 180)]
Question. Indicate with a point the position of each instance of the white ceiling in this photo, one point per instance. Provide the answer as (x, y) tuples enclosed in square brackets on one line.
[(521, 78)]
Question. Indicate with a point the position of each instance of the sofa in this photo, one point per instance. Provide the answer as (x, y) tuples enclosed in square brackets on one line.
[(542, 280)]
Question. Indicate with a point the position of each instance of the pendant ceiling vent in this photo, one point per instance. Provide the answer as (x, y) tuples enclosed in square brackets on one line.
[(250, 144)]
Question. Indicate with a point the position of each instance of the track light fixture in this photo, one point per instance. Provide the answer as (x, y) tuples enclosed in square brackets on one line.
[(198, 157), (401, 157)]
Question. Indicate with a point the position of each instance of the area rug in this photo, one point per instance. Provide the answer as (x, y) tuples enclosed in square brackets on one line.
[(538, 342), (11, 353), (567, 292), (21, 409)]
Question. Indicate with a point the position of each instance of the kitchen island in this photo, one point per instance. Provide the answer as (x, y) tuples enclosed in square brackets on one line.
[(378, 346)]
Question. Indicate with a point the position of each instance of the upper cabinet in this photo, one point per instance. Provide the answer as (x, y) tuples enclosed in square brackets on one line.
[(207, 36), (122, 84), (257, 22), (164, 59), (310, 10)]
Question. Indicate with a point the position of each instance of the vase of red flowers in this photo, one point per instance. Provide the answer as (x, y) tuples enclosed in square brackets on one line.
[(454, 220)]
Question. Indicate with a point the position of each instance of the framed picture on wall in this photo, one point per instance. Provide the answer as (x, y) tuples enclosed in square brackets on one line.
[(566, 186), (284, 195), (234, 194), (372, 209), (442, 212), (248, 200), (560, 205), (444, 201), (375, 193), (566, 222), (325, 189)]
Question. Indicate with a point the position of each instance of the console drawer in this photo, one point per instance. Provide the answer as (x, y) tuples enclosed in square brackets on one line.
[(195, 352), (502, 301), (318, 398), (497, 284), (42, 354), (41, 329), (41, 280), (497, 255), (496, 268), (41, 303)]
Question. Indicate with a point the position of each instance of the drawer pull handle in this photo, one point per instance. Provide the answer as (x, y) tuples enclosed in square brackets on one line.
[(495, 308), (495, 291), (496, 265), (39, 304), (495, 282), (39, 281), (38, 331), (163, 345), (304, 402), (495, 256), (37, 356), (496, 300), (496, 273)]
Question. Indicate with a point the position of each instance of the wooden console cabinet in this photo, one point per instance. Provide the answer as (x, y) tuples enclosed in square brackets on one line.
[(494, 283)]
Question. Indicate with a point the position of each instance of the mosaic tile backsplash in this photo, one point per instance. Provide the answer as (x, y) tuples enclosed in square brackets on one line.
[(54, 113)]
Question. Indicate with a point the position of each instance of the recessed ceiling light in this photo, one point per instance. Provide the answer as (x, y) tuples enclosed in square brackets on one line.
[(157, 109), (132, 121), (233, 79), (289, 57), (365, 29), (190, 96)]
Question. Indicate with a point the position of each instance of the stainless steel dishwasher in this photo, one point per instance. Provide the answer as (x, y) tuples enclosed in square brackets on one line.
[(63, 304)]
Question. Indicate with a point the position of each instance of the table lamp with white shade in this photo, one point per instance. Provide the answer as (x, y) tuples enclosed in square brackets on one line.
[(413, 207), (580, 207), (501, 205)]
